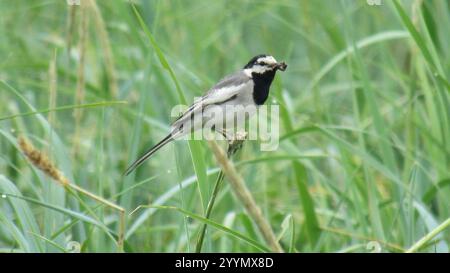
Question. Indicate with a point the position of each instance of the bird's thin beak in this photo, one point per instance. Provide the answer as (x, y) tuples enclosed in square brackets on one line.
[(281, 66)]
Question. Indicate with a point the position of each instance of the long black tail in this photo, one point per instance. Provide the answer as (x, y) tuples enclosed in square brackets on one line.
[(148, 154)]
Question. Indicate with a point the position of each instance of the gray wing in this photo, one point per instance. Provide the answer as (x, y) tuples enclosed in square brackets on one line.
[(222, 91), (234, 79)]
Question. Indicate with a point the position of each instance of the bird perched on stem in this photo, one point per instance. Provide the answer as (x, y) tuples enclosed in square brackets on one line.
[(228, 100)]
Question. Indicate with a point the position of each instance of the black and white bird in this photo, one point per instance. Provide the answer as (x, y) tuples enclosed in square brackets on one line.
[(246, 88)]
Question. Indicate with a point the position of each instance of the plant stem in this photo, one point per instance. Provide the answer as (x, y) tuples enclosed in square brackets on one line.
[(233, 147), (42, 162), (244, 196), (425, 239), (201, 236)]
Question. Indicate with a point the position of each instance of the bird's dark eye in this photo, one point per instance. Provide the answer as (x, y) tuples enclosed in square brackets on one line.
[(262, 63)]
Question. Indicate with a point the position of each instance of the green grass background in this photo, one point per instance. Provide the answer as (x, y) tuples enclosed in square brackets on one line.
[(364, 158)]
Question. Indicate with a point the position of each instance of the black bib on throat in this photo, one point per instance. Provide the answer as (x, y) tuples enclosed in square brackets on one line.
[(262, 86)]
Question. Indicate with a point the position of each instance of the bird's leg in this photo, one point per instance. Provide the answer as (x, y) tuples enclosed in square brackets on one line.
[(236, 142), (228, 136)]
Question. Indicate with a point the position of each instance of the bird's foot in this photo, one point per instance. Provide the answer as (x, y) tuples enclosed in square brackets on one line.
[(236, 142)]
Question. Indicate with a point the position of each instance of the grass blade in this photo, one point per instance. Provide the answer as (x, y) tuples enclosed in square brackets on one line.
[(217, 226), (195, 148)]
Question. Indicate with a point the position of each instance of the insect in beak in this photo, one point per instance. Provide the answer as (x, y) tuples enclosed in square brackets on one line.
[(281, 66)]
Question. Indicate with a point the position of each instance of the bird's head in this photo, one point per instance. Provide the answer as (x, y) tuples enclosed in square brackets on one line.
[(261, 64)]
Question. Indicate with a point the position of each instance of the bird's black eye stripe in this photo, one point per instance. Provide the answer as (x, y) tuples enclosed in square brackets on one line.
[(262, 63)]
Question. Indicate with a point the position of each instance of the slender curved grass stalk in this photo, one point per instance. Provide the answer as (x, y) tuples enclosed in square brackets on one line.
[(53, 85), (106, 46), (244, 196), (195, 148), (64, 108), (70, 28), (218, 226), (428, 237), (80, 92), (233, 147), (217, 186), (42, 162)]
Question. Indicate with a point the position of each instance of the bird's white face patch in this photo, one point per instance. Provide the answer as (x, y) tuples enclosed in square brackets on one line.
[(262, 65), (267, 60)]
